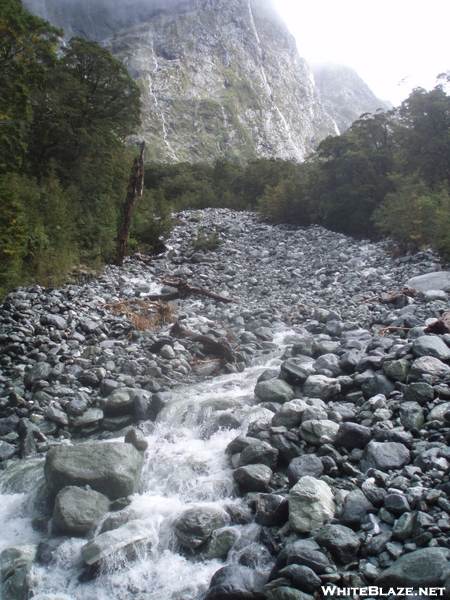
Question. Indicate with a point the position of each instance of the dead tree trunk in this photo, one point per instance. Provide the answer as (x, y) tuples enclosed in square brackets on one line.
[(135, 185)]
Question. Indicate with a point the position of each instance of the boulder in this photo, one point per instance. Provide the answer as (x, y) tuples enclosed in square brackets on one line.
[(428, 365), (311, 504), (320, 386), (120, 401), (319, 432), (259, 453), (77, 510), (384, 456), (195, 525), (274, 390), (439, 280), (431, 345), (290, 414), (16, 564), (271, 510), (352, 435), (253, 478), (411, 415), (127, 540), (421, 568), (341, 541), (39, 371), (236, 582), (113, 469), (356, 506), (308, 464)]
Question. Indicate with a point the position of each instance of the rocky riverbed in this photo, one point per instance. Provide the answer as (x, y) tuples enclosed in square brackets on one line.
[(134, 464)]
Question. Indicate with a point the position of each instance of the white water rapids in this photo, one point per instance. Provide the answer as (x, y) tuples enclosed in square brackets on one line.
[(185, 464)]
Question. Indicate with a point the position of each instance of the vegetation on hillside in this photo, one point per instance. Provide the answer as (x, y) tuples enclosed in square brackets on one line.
[(65, 115), (66, 112)]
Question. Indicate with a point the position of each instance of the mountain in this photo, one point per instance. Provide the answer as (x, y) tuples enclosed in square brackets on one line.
[(220, 78), (344, 95)]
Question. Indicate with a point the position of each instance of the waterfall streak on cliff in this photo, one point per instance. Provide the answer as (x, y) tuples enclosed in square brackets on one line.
[(297, 150)]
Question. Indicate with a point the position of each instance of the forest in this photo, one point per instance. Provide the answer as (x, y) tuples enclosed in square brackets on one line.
[(67, 111)]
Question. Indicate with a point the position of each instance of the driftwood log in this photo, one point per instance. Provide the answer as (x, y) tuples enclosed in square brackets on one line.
[(391, 298), (210, 345), (184, 290)]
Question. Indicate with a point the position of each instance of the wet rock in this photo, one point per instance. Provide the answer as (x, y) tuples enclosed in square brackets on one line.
[(126, 540), (271, 510), (6, 451), (91, 417), (77, 510), (422, 568), (378, 384), (397, 370), (236, 582), (195, 525), (253, 478), (311, 504), (274, 390), (219, 544), (341, 541), (16, 566), (384, 456), (396, 504), (56, 415), (137, 438), (302, 578), (119, 402), (54, 321), (259, 453), (113, 469)]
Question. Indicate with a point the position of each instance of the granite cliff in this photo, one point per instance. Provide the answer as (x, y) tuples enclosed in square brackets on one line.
[(344, 95), (219, 79)]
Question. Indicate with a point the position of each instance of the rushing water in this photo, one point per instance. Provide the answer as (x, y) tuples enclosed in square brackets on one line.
[(185, 464)]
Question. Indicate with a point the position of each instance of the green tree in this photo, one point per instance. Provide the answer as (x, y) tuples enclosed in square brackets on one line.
[(27, 50)]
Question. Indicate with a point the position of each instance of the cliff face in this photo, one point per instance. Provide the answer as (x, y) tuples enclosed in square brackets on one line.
[(344, 95), (220, 78)]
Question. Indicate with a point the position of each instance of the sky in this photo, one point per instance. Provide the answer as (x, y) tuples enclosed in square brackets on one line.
[(394, 45)]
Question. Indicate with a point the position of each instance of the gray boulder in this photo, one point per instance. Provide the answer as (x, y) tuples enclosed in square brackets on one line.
[(311, 504), (236, 582), (195, 525), (320, 386), (341, 541), (431, 345), (113, 469), (384, 456), (120, 401), (352, 435), (319, 432), (253, 478), (77, 510), (428, 365), (39, 371), (411, 415), (259, 453), (274, 390), (6, 451), (308, 464), (439, 280), (421, 568), (16, 566), (290, 414), (128, 540), (356, 506)]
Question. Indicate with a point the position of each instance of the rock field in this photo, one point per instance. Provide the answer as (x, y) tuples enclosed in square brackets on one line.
[(347, 474)]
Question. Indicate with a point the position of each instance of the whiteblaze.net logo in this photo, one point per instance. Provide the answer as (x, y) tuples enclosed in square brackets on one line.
[(374, 591)]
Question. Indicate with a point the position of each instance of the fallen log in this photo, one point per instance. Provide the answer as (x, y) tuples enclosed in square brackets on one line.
[(185, 290), (211, 345)]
